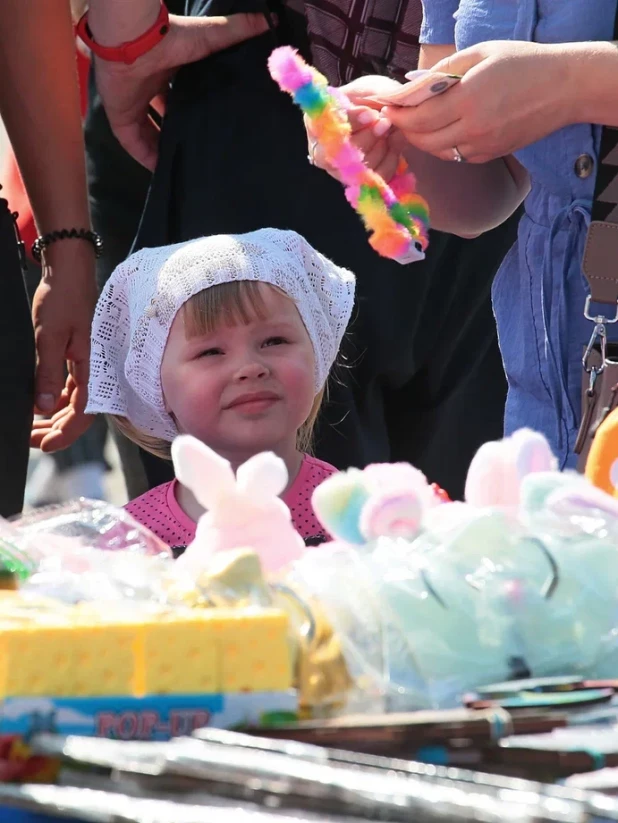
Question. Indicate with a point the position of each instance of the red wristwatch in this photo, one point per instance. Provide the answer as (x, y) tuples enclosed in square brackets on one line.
[(127, 52)]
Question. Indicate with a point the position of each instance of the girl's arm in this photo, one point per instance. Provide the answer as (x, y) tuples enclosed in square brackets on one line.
[(39, 104)]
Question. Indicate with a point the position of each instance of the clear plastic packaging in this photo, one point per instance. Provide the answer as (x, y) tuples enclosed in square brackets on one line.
[(12, 559), (91, 524), (90, 550), (481, 595)]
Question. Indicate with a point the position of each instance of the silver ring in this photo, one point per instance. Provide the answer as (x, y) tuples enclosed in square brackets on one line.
[(458, 156)]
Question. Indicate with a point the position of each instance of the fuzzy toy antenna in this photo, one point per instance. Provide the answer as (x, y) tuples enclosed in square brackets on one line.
[(397, 217)]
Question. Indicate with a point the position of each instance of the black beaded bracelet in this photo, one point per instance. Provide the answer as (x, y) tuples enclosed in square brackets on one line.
[(45, 240)]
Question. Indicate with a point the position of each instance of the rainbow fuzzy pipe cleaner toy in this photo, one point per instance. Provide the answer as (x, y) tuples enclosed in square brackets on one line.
[(397, 217)]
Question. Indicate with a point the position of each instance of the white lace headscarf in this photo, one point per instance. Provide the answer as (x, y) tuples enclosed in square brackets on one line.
[(142, 297)]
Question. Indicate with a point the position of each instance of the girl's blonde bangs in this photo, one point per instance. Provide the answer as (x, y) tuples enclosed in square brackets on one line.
[(238, 301)]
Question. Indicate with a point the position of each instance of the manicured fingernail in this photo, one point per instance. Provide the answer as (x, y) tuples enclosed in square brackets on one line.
[(412, 75), (381, 127), (45, 402), (367, 117)]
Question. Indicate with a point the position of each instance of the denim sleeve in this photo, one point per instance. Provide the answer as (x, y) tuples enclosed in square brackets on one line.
[(439, 22)]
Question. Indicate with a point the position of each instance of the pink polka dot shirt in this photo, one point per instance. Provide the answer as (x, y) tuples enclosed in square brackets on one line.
[(159, 511)]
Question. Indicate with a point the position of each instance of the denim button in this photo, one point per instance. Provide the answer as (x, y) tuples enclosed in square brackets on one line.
[(584, 166)]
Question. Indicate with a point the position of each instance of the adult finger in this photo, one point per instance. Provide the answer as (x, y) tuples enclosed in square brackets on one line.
[(140, 139), (462, 61), (318, 159), (361, 118), (79, 398), (49, 377), (69, 421), (197, 37), (66, 431), (377, 155), (36, 438), (44, 426), (364, 90), (315, 152), (389, 165), (430, 116), (65, 426), (440, 143), (366, 141)]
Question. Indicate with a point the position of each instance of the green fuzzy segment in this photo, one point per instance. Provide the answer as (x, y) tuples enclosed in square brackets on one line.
[(418, 210), (369, 194), (400, 214)]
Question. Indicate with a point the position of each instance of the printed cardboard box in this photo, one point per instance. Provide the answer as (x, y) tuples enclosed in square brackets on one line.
[(158, 717)]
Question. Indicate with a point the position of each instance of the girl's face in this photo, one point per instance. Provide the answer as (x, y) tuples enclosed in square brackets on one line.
[(248, 385)]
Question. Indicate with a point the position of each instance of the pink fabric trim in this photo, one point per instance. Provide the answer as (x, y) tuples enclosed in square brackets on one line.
[(174, 507)]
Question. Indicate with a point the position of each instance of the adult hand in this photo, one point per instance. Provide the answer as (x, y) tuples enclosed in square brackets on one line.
[(371, 133), (127, 91), (512, 94), (62, 312)]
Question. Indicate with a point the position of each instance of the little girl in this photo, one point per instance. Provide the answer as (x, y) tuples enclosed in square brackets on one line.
[(227, 338)]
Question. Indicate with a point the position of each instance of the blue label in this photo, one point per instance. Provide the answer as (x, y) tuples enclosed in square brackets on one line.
[(156, 717)]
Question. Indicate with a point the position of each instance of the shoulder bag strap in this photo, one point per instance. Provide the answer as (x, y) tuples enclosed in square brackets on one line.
[(600, 265), (600, 262)]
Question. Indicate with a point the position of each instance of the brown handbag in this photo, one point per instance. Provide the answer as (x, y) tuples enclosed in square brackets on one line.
[(600, 265)]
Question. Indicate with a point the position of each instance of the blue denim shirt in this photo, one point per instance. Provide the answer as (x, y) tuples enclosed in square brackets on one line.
[(540, 290)]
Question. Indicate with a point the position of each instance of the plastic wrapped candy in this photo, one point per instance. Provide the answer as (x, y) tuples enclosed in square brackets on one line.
[(418, 630), (89, 550), (521, 580), (14, 563), (91, 524), (578, 524)]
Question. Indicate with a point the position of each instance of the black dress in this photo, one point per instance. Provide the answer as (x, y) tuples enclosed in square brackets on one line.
[(420, 377), (17, 362)]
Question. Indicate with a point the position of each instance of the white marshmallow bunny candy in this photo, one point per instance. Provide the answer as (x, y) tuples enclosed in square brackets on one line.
[(263, 475), (242, 511), (191, 458), (498, 468)]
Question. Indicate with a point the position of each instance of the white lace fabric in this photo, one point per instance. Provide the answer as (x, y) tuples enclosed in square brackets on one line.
[(140, 300)]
